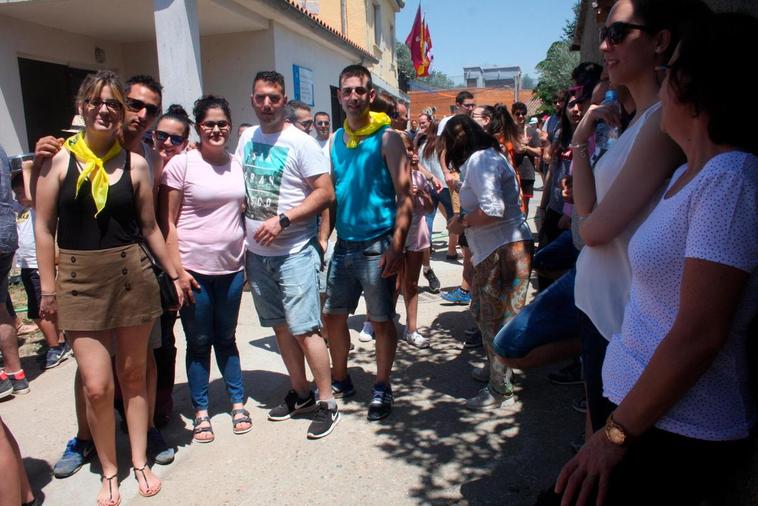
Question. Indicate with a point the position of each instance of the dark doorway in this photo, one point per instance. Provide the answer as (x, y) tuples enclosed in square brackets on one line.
[(338, 115), (49, 91)]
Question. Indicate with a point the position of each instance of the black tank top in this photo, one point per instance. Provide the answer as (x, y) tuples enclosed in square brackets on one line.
[(117, 223)]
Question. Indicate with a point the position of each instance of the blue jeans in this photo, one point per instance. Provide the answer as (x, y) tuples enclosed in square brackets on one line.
[(442, 197), (551, 317), (559, 255), (211, 322), (593, 355)]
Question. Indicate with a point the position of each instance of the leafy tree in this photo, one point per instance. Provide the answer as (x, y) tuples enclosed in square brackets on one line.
[(555, 72), (570, 27), (437, 79), (527, 82)]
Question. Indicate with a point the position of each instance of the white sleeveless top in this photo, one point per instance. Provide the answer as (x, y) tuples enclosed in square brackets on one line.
[(603, 274)]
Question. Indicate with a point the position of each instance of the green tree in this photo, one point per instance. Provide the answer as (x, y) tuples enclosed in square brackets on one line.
[(570, 27), (437, 79), (555, 72)]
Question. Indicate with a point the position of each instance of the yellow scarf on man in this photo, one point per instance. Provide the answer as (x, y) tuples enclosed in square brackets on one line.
[(376, 121), (94, 168)]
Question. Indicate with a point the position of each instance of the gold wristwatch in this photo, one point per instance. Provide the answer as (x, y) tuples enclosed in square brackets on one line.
[(616, 433)]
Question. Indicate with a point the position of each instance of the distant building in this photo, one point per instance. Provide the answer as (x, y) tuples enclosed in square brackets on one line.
[(492, 77)]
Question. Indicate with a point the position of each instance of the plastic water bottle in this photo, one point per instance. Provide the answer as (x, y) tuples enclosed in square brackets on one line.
[(606, 135)]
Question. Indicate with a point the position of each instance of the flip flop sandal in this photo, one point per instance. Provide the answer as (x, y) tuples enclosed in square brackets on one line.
[(245, 418), (151, 492), (200, 430)]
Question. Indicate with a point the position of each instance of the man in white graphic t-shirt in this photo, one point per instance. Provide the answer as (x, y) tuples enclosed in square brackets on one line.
[(287, 185)]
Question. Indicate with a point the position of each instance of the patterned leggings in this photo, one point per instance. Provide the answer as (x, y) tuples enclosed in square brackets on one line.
[(499, 292)]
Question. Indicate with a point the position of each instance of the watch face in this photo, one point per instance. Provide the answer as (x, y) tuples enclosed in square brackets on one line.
[(616, 436)]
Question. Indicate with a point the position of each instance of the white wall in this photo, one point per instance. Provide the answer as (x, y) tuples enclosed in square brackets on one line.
[(36, 42), (326, 64)]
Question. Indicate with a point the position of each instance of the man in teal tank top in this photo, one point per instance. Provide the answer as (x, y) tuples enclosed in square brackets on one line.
[(372, 214)]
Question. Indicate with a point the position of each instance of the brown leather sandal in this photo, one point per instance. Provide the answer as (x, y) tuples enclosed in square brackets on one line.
[(150, 492), (199, 430)]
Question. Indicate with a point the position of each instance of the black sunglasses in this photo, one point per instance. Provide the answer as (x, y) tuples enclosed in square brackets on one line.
[(176, 140), (136, 105), (322, 123), (210, 125), (348, 91), (97, 103), (617, 32)]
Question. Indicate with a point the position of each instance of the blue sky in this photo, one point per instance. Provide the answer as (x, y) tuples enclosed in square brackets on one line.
[(487, 32)]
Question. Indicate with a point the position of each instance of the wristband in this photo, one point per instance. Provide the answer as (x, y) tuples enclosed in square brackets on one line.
[(50, 294)]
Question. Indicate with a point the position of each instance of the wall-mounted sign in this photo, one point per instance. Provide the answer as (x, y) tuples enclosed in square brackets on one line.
[(304, 88)]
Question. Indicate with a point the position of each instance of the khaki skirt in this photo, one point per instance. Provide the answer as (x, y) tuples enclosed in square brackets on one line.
[(106, 289)]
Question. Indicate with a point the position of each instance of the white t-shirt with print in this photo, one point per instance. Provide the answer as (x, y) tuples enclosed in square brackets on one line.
[(714, 217), (26, 254), (490, 185), (275, 169)]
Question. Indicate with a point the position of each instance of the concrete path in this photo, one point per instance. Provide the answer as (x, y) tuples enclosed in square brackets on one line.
[(431, 450)]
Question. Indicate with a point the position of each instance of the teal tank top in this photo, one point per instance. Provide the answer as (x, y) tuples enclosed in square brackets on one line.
[(366, 202)]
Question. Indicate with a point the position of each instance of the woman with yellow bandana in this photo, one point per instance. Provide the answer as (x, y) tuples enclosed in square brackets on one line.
[(99, 199)]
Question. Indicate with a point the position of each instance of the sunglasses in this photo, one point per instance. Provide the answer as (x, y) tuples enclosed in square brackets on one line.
[(359, 90), (176, 140), (305, 124), (617, 32), (322, 123), (135, 105), (211, 125), (110, 104), (260, 98)]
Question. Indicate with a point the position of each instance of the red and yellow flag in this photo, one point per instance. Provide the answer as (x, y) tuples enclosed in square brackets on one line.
[(419, 42)]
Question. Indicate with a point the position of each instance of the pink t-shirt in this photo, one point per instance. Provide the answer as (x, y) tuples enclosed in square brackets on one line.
[(210, 225), (418, 233)]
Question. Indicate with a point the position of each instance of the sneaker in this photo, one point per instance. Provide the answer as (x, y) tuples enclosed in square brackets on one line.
[(486, 399), (473, 338), (343, 389), (367, 332), (324, 420), (434, 282), (292, 405), (157, 449), (55, 356), (20, 383), (580, 405), (77, 452), (481, 374), (457, 296), (381, 403), (569, 375), (6, 387), (416, 339)]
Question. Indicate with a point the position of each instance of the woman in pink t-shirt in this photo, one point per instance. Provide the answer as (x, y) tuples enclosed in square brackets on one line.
[(202, 195), (417, 241)]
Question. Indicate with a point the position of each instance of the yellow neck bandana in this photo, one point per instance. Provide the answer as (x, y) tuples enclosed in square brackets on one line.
[(376, 121), (94, 168)]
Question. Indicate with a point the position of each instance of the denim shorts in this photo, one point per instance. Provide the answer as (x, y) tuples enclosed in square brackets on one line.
[(323, 272), (355, 269), (285, 289), (551, 317)]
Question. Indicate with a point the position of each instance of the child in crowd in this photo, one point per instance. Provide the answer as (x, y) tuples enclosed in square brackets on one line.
[(418, 240), (26, 258)]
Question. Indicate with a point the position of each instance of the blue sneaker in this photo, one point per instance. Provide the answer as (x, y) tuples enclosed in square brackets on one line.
[(381, 403), (457, 296), (77, 452), (157, 449), (343, 389)]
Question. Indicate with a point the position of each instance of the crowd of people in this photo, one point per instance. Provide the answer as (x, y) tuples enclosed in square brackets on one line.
[(645, 255)]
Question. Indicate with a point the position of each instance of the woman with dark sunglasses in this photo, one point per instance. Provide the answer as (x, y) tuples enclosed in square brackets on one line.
[(171, 133), (676, 375), (615, 196), (201, 200)]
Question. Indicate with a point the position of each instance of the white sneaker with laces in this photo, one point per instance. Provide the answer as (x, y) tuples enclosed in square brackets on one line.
[(416, 339), (367, 332)]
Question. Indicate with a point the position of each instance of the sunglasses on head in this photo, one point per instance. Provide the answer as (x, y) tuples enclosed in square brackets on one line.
[(176, 140), (348, 91), (136, 105), (617, 32), (211, 125)]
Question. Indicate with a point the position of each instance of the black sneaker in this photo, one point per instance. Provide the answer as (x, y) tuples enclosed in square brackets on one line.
[(324, 421), (6, 387), (381, 403), (434, 283), (343, 389), (473, 339), (569, 375), (292, 405), (20, 383)]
